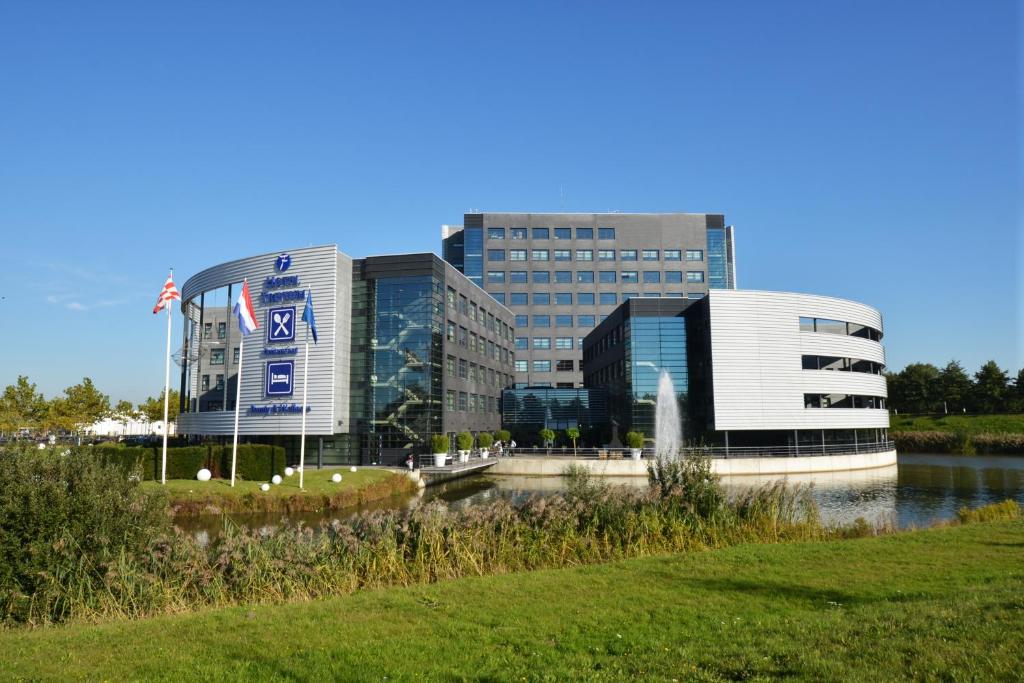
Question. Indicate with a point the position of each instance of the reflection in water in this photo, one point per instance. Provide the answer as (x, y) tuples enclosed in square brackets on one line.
[(918, 491)]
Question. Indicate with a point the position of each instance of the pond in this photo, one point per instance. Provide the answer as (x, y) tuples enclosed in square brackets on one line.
[(918, 491)]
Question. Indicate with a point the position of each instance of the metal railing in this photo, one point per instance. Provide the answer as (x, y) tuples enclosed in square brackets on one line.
[(807, 450)]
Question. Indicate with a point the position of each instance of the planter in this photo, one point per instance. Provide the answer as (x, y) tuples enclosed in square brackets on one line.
[(463, 456), (635, 453), (440, 459), (484, 453)]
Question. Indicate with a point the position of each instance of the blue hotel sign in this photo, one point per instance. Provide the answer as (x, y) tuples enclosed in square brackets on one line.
[(280, 378)]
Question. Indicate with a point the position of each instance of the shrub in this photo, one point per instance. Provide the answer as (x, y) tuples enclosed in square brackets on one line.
[(65, 519), (183, 463), (689, 481), (256, 462), (484, 440), (137, 460), (439, 443), (1006, 511), (503, 435), (635, 439), (464, 440), (925, 442), (1004, 443), (547, 437)]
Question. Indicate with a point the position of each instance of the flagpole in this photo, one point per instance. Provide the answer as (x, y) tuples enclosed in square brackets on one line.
[(302, 442), (167, 394), (238, 404)]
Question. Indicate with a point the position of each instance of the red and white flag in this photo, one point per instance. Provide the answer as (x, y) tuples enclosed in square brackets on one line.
[(168, 294)]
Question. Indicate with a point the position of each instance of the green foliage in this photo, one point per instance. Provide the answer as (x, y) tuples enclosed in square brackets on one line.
[(971, 424), (153, 407), (1008, 510), (547, 436), (572, 433), (66, 520), (81, 405), (439, 443), (961, 442), (689, 482), (256, 462), (125, 412), (990, 390), (503, 435), (484, 440), (634, 439), (22, 407), (464, 441), (921, 388)]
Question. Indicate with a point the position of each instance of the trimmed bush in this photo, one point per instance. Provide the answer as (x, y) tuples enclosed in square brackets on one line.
[(464, 440), (635, 439), (130, 460), (962, 443), (256, 462), (183, 463), (439, 443), (484, 440), (925, 442), (503, 435)]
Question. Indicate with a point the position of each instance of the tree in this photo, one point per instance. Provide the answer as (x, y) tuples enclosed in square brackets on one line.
[(1016, 402), (573, 433), (990, 389), (955, 386), (80, 406), (915, 389), (22, 407), (125, 412), (153, 408)]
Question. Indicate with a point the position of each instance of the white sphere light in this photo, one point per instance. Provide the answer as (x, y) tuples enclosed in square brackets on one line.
[(203, 475), (265, 487), (276, 479), (288, 471), (353, 469), (336, 478)]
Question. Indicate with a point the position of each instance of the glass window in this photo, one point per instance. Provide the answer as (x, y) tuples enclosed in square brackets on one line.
[(563, 321), (605, 254), (208, 331), (450, 365), (563, 254), (495, 233), (451, 298), (540, 233), (585, 298), (463, 368), (522, 320), (541, 299), (586, 276), (585, 321), (674, 295), (584, 254), (606, 233), (626, 296), (449, 400), (222, 330), (463, 401), (542, 366), (216, 356), (607, 276), (540, 255), (563, 366), (542, 321), (205, 384), (499, 297), (672, 254), (522, 343), (517, 233), (463, 305), (695, 276), (518, 299), (522, 366), (517, 277), (694, 254), (830, 326), (584, 233), (651, 295), (608, 299), (627, 254), (562, 276), (563, 343), (652, 277), (542, 276), (496, 277), (517, 254), (542, 342), (673, 276), (630, 276), (563, 298), (495, 254), (695, 295), (650, 254), (234, 356), (451, 331), (563, 233)]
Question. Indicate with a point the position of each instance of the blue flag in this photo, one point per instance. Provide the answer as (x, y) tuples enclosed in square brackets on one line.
[(307, 315)]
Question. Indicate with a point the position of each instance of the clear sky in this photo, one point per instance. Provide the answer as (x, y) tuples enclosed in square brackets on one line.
[(867, 150)]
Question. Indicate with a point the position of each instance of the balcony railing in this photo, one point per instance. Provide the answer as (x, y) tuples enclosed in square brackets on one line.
[(806, 450)]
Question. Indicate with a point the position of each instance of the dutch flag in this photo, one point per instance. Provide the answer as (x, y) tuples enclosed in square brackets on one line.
[(244, 310)]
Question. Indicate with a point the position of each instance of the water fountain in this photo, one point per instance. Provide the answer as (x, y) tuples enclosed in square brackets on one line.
[(668, 431)]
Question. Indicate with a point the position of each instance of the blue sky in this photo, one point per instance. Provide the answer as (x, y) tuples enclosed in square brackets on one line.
[(866, 150)]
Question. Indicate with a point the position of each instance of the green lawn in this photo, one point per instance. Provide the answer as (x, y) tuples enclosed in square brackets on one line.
[(941, 604), (970, 424), (190, 496)]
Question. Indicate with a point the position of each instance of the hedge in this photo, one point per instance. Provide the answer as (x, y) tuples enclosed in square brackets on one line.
[(256, 462), (960, 443)]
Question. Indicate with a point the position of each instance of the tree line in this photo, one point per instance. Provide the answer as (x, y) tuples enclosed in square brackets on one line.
[(23, 408), (924, 388)]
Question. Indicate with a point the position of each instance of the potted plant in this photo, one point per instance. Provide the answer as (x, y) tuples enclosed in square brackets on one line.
[(572, 433), (464, 441), (484, 440), (439, 444), (635, 441), (547, 437)]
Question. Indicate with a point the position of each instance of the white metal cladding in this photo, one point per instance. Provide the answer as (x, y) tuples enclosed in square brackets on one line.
[(757, 373), (317, 270)]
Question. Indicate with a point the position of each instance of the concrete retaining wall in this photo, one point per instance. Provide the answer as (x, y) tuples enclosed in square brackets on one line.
[(554, 466)]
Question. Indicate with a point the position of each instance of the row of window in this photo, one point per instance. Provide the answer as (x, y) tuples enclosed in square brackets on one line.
[(477, 313), (544, 366), (222, 330), (476, 343), (206, 383), (500, 277), (470, 403), (217, 356), (604, 298), (561, 343), (843, 401), (839, 327), (476, 373), (842, 364), (588, 254), (547, 233)]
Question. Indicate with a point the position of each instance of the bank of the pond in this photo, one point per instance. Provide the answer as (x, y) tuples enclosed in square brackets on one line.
[(189, 497), (959, 434), (865, 609)]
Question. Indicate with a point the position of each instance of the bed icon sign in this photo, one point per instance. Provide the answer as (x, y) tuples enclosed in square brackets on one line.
[(281, 324), (280, 377)]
